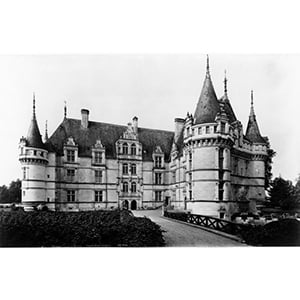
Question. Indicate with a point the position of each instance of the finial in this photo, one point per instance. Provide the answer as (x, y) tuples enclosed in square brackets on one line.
[(33, 105), (207, 65), (252, 114), (65, 110), (225, 83), (46, 130)]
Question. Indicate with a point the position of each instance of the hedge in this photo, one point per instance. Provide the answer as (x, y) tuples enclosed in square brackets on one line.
[(77, 229), (285, 232)]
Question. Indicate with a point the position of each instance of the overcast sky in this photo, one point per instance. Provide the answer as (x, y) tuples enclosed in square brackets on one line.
[(156, 88)]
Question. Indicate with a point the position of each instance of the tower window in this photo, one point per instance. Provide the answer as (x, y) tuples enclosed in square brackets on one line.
[(133, 149), (133, 187), (125, 148), (125, 168), (222, 127), (98, 176), (98, 196), (125, 187), (70, 155), (24, 173), (71, 196), (133, 169)]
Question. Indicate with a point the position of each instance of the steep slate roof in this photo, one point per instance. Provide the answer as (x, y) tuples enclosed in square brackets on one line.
[(228, 109), (208, 105), (34, 138), (108, 134), (252, 132)]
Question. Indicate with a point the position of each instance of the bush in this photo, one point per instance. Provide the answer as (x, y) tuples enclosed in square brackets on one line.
[(285, 232), (77, 229)]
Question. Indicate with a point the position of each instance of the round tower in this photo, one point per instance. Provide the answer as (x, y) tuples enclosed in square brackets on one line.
[(207, 141), (33, 157)]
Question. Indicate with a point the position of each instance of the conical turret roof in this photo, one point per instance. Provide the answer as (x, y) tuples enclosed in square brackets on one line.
[(252, 132), (34, 138), (208, 105)]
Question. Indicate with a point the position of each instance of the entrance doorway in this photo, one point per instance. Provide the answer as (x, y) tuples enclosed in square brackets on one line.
[(125, 204), (133, 205)]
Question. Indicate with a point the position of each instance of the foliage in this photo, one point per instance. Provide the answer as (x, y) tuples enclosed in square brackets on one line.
[(77, 229), (283, 193), (285, 232), (11, 194), (268, 167)]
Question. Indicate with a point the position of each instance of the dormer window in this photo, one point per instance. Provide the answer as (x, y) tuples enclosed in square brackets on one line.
[(125, 148), (98, 157), (70, 155), (158, 161), (133, 149)]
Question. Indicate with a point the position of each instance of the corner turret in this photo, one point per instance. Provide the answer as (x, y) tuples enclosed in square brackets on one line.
[(252, 132)]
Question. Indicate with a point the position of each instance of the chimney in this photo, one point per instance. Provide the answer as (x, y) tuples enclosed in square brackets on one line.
[(85, 118), (179, 123), (135, 124)]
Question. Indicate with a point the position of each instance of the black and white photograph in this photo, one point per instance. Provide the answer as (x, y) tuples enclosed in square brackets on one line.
[(149, 149)]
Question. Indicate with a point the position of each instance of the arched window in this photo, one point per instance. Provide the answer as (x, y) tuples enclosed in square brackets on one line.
[(133, 169), (133, 187), (125, 168), (133, 149), (125, 187), (125, 148)]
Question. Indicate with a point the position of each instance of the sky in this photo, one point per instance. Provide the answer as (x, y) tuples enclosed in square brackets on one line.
[(156, 88)]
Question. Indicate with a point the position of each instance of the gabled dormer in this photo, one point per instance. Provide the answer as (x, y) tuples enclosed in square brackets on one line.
[(70, 151), (128, 145), (158, 158), (98, 153)]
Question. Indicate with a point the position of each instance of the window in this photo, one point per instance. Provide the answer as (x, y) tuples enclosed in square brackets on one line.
[(133, 169), (34, 152), (98, 176), (125, 148), (24, 173), (158, 178), (125, 168), (71, 196), (133, 149), (222, 127), (133, 187), (70, 174), (24, 193), (98, 157), (98, 196), (70, 155), (158, 161), (207, 129), (48, 199), (190, 156), (199, 130), (158, 195), (215, 129), (125, 187), (191, 195)]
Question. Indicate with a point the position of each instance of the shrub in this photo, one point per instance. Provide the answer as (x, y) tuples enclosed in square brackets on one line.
[(285, 232), (72, 229)]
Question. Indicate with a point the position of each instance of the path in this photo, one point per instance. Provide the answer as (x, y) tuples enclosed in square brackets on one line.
[(181, 235)]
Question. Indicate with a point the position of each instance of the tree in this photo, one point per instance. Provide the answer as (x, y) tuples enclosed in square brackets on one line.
[(4, 194), (11, 194), (268, 167), (283, 193), (15, 191)]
